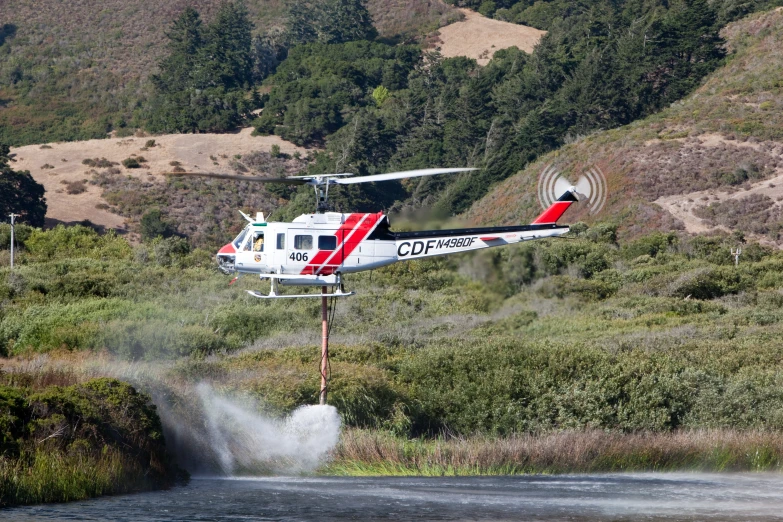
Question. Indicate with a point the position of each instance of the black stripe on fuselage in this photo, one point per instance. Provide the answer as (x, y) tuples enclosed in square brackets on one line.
[(472, 231)]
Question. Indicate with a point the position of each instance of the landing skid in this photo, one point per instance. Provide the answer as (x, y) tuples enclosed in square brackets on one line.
[(273, 295)]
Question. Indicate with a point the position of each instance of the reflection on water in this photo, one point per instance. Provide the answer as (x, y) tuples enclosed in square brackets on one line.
[(671, 496)]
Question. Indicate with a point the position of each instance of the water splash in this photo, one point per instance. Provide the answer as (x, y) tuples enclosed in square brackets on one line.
[(239, 439)]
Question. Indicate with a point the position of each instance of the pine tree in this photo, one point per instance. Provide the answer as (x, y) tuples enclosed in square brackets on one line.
[(185, 42), (300, 27), (226, 55), (689, 46), (345, 21), (202, 82)]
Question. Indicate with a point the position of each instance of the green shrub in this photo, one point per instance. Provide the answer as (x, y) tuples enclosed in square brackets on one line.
[(90, 439), (153, 225)]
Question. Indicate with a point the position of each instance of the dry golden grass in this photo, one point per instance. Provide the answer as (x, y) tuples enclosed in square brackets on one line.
[(193, 152), (479, 37)]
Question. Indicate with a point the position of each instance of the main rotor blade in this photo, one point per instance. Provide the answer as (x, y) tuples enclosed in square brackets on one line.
[(260, 179), (399, 175)]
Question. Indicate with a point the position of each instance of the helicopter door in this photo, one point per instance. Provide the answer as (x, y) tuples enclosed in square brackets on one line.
[(301, 249), (250, 252)]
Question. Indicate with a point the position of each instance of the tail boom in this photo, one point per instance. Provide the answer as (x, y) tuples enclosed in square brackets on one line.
[(428, 243)]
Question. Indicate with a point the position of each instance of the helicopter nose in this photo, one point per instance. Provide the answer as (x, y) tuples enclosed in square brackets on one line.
[(225, 259)]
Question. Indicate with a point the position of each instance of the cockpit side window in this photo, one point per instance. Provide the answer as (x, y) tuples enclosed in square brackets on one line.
[(240, 238)]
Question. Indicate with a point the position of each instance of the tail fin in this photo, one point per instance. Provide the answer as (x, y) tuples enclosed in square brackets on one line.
[(557, 209)]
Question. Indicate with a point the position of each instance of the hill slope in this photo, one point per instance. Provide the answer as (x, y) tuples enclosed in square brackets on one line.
[(61, 168), (479, 37), (721, 145), (73, 70)]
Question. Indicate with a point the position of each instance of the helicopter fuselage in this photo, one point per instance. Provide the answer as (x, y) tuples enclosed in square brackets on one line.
[(314, 248)]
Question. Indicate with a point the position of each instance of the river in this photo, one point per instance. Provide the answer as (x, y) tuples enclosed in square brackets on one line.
[(643, 496)]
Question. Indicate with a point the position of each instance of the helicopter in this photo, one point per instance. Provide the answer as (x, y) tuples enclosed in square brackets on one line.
[(318, 249)]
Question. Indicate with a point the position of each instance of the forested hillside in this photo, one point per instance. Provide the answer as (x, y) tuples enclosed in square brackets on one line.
[(77, 70), (322, 77), (598, 67)]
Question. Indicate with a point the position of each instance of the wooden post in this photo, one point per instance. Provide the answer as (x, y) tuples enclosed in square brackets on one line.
[(324, 344)]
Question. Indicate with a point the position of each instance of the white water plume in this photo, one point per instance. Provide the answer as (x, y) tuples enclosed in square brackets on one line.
[(244, 441)]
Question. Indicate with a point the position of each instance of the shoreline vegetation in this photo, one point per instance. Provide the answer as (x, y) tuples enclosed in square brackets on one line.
[(371, 453), (66, 443), (652, 354)]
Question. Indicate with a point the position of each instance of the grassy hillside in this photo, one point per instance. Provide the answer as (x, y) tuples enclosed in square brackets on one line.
[(77, 70), (724, 139)]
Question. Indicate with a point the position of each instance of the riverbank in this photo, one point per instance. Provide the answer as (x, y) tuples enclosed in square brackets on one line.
[(60, 444), (372, 453)]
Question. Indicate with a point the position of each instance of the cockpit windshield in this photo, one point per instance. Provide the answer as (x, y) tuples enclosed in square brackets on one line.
[(241, 237)]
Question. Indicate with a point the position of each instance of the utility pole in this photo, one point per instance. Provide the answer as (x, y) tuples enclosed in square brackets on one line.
[(736, 253), (13, 217)]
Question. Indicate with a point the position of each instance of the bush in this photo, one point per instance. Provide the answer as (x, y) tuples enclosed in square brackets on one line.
[(153, 225), (170, 250), (76, 241), (90, 439), (75, 187)]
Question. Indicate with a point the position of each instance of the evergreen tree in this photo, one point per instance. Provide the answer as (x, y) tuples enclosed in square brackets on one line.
[(688, 48), (20, 193), (226, 56), (202, 83), (345, 21), (301, 23)]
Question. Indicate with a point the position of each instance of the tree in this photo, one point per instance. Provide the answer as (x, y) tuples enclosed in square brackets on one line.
[(345, 21), (225, 56), (153, 225), (20, 193), (202, 83), (300, 26), (329, 21)]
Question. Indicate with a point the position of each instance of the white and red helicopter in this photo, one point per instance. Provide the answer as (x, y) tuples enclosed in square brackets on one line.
[(318, 249)]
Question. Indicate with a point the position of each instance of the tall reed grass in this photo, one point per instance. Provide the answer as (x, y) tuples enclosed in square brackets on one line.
[(363, 452), (54, 476)]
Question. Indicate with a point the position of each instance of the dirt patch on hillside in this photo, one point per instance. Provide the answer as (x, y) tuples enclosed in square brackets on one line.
[(685, 207), (59, 167), (479, 37)]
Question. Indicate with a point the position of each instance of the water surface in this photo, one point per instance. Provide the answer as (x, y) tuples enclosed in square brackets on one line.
[(651, 496)]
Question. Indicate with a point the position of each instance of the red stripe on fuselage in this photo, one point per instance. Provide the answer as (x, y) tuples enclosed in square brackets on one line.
[(355, 230)]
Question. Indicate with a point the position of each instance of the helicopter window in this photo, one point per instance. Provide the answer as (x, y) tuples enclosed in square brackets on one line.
[(281, 241), (258, 242), (303, 242), (240, 238), (327, 242)]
